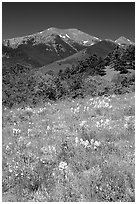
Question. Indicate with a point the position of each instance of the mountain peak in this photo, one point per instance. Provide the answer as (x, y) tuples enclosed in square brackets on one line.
[(123, 41)]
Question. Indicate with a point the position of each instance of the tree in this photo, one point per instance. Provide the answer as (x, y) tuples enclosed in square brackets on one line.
[(45, 86), (95, 85)]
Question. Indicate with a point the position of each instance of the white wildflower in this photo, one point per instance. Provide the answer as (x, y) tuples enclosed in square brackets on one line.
[(126, 125), (53, 148), (29, 130), (127, 118), (16, 131), (110, 106), (7, 147), (71, 109), (101, 121), (97, 124), (92, 141), (28, 108), (62, 165), (20, 139), (28, 144), (76, 140), (81, 140), (107, 122), (48, 127), (97, 143), (83, 123), (84, 143)]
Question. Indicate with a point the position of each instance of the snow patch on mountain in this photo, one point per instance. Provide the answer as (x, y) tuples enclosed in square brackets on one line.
[(67, 35), (97, 38), (85, 41), (62, 36)]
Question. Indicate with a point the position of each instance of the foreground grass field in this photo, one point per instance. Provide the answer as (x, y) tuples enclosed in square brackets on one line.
[(78, 151)]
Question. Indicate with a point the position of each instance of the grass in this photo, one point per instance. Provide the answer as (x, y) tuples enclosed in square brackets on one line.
[(70, 151)]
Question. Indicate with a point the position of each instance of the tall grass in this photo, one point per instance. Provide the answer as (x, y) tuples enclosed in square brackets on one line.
[(70, 151)]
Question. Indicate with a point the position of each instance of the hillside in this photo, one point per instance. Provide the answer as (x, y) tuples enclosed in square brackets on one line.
[(24, 85), (101, 49)]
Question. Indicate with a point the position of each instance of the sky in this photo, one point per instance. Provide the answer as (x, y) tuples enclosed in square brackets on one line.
[(106, 20)]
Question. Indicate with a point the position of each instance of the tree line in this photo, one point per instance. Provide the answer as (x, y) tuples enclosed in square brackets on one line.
[(23, 86)]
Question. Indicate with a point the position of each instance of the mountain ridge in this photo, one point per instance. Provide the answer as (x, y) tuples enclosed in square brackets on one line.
[(53, 44), (59, 31), (73, 34)]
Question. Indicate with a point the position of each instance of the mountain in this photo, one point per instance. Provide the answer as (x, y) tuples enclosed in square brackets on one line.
[(38, 53), (73, 68), (68, 35), (123, 41), (53, 44), (101, 49), (45, 47)]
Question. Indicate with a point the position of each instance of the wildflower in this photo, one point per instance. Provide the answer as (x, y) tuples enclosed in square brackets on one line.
[(97, 124), (97, 143), (92, 141), (28, 108), (7, 147), (107, 121), (28, 144), (62, 165), (53, 148), (126, 125), (29, 130), (84, 143), (83, 122), (71, 109), (48, 127), (16, 131), (101, 121), (81, 140), (76, 140), (10, 170)]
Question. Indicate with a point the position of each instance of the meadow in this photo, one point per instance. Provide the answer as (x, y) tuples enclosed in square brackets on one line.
[(80, 150)]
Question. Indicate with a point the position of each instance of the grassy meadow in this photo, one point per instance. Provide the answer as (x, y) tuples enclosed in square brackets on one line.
[(80, 150)]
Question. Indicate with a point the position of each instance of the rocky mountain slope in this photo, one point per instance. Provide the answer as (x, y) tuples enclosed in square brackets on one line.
[(101, 49), (38, 53)]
